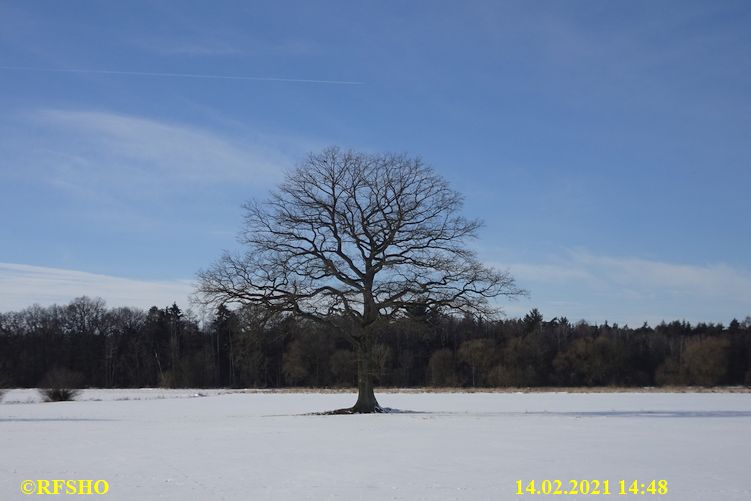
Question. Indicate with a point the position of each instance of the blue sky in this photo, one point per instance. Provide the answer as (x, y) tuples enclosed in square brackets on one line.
[(607, 145)]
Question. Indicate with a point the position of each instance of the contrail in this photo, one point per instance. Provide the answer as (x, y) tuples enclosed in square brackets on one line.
[(179, 75)]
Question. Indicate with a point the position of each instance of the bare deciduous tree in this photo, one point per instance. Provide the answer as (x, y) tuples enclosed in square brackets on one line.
[(352, 239)]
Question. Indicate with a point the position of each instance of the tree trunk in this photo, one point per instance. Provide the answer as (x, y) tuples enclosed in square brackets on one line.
[(366, 400)]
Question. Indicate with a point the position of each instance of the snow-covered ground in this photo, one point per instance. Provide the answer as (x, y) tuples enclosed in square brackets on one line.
[(214, 445)]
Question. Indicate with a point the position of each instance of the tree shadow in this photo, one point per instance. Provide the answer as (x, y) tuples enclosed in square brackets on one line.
[(33, 420), (349, 412), (649, 414)]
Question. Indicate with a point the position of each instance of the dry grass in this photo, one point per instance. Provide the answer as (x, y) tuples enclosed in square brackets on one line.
[(546, 389)]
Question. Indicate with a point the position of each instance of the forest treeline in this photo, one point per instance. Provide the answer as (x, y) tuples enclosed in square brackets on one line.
[(126, 347)]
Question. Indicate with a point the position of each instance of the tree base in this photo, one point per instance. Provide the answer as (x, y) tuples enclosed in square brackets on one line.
[(354, 410)]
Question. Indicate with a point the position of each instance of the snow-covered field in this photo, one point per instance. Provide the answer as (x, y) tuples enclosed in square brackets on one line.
[(177, 445)]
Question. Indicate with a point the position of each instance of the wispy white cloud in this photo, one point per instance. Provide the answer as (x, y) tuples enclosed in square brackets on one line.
[(647, 277), (163, 74), (129, 167), (718, 281), (551, 273), (105, 141), (580, 284), (23, 285)]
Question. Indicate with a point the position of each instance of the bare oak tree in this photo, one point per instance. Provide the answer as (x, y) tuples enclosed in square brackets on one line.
[(350, 240)]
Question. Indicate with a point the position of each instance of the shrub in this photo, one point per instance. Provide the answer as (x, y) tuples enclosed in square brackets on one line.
[(706, 361), (588, 362), (60, 385), (3, 387), (478, 355), (59, 394), (504, 376), (167, 379), (295, 363), (342, 364), (441, 368), (670, 373)]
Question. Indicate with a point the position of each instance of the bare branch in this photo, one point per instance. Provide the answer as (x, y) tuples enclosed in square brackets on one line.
[(360, 237)]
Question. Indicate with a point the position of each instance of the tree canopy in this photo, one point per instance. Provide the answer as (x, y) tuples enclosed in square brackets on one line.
[(350, 239)]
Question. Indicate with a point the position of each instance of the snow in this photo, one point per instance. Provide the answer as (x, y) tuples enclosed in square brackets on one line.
[(223, 445)]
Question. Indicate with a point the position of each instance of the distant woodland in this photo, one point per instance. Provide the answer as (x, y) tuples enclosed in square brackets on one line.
[(94, 346)]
